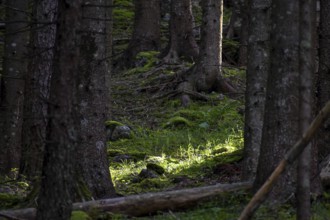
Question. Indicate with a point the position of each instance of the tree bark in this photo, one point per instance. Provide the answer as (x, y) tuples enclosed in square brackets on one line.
[(280, 128), (182, 41), (206, 75), (56, 193), (12, 84), (152, 202), (146, 34), (306, 68), (94, 99), (289, 159), (37, 88), (323, 78), (256, 80)]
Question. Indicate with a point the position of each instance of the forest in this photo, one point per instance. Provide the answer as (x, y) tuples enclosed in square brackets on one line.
[(164, 109)]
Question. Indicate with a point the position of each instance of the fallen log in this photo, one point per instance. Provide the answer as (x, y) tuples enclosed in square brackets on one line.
[(143, 204)]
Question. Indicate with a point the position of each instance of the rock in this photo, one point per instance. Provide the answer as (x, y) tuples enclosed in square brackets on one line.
[(146, 173), (120, 132), (154, 167)]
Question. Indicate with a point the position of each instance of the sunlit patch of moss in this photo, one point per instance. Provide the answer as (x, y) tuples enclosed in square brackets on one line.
[(79, 215), (113, 124), (177, 121)]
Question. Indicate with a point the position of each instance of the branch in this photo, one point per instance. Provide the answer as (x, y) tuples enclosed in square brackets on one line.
[(289, 158)]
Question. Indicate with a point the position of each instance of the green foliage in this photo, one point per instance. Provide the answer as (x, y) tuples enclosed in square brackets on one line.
[(230, 49)]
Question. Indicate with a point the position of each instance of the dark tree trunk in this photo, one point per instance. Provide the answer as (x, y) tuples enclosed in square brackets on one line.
[(306, 69), (323, 79), (256, 77), (243, 38), (280, 130), (55, 198), (37, 88), (94, 100), (206, 74), (12, 84), (182, 41), (146, 34)]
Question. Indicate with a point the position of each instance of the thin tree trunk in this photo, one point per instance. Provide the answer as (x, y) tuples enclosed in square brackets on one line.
[(37, 88), (256, 80), (56, 193), (12, 84)]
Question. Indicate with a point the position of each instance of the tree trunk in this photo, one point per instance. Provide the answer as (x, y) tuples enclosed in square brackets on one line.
[(12, 84), (55, 198), (152, 202), (243, 38), (146, 34), (307, 32), (37, 88), (94, 95), (206, 74), (182, 41), (323, 79), (280, 129), (256, 78)]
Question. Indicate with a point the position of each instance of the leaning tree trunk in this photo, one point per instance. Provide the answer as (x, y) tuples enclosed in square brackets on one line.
[(323, 79), (93, 166), (37, 88), (256, 78), (182, 41), (146, 34), (56, 193), (280, 130), (12, 84)]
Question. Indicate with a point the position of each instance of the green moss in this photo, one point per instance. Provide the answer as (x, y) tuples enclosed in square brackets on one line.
[(80, 215), (113, 124), (9, 200), (149, 58), (177, 121)]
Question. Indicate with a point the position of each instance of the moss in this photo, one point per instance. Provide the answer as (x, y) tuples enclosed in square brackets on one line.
[(9, 200), (178, 121), (80, 215), (149, 58), (113, 124), (190, 114)]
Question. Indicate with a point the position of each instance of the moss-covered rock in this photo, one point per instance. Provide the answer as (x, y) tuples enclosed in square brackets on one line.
[(80, 215), (178, 121)]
